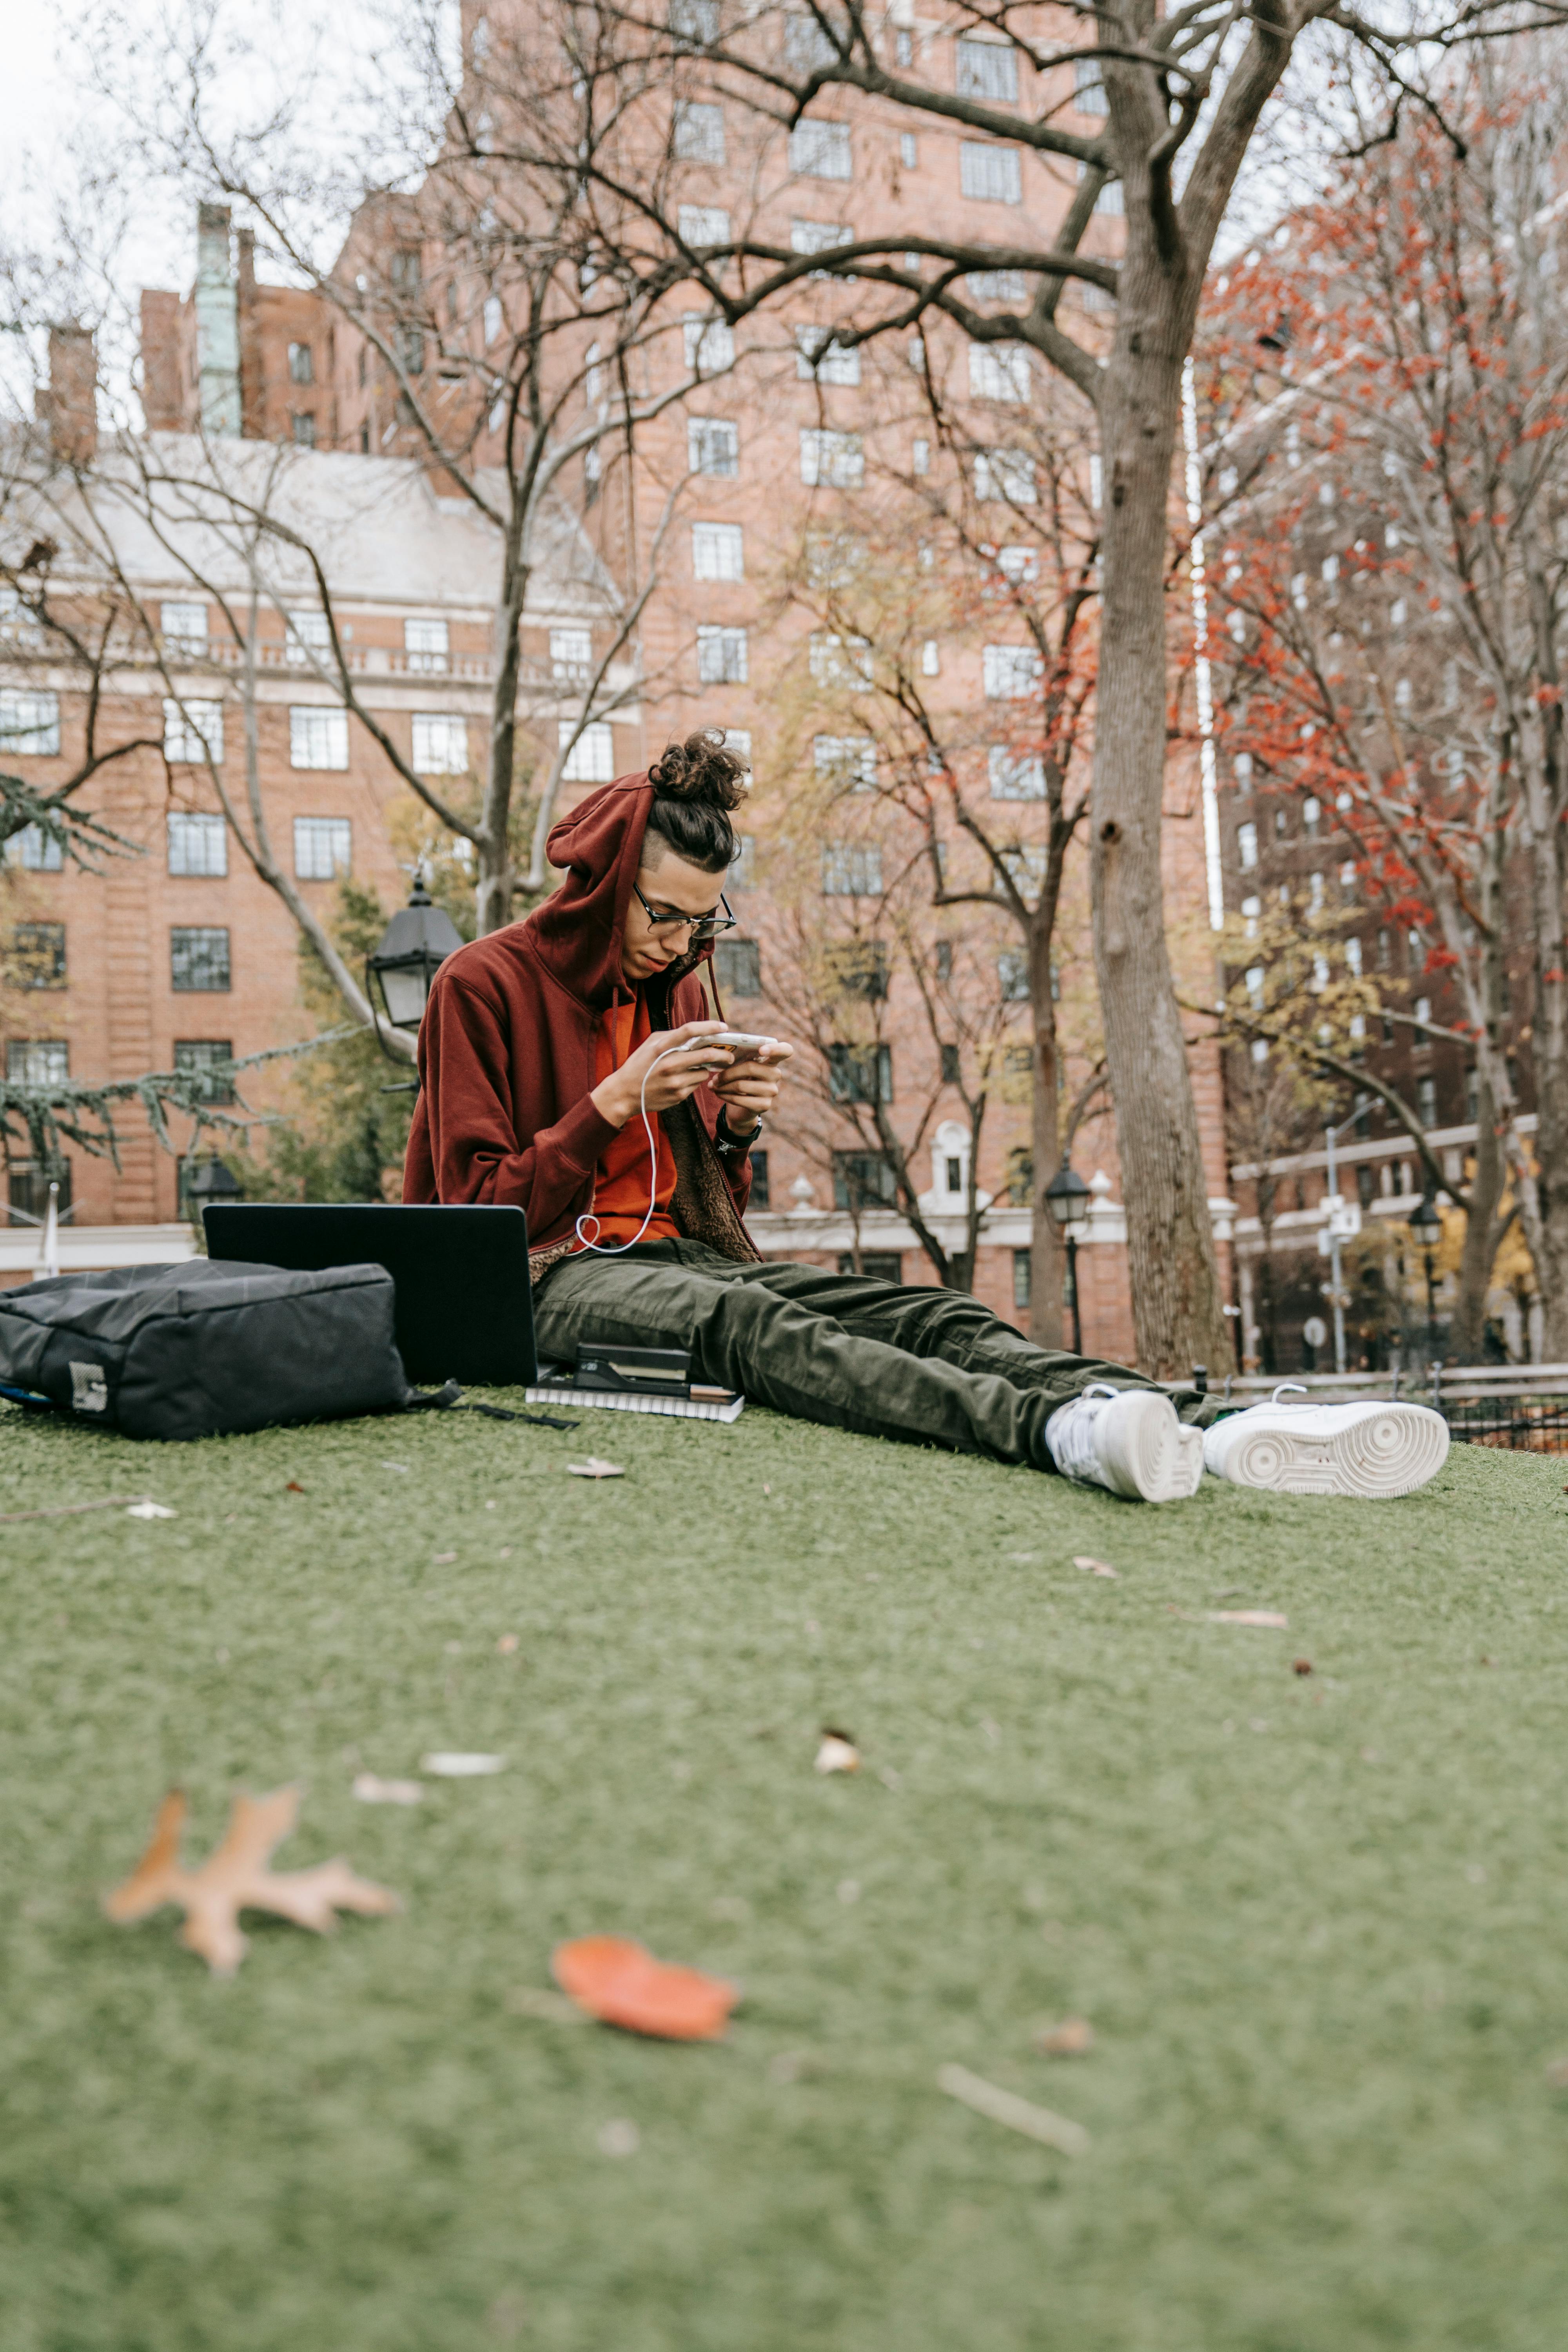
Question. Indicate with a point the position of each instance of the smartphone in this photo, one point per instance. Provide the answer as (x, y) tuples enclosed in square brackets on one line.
[(742, 1046)]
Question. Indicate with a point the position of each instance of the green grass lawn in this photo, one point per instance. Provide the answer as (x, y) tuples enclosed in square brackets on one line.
[(1320, 1923)]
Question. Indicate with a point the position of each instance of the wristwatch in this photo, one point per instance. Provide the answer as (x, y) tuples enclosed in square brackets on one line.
[(726, 1142)]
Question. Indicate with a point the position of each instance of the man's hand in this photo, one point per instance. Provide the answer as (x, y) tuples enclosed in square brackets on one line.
[(748, 1089), (620, 1097)]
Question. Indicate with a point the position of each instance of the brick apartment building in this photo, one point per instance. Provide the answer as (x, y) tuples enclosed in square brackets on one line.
[(778, 447)]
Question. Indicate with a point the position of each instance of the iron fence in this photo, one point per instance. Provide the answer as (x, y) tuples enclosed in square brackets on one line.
[(1521, 1408)]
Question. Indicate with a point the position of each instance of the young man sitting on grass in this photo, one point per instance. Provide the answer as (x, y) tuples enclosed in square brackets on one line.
[(569, 1067)]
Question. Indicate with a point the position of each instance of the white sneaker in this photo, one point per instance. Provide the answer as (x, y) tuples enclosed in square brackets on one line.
[(1374, 1451), (1129, 1440)]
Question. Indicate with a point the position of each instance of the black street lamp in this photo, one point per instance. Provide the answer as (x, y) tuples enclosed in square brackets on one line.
[(1425, 1223), (1067, 1198), (413, 947), (210, 1182)]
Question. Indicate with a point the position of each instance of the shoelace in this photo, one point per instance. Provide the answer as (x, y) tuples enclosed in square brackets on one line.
[(1072, 1442)]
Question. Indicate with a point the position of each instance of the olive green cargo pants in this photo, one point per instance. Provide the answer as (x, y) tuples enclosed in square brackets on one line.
[(932, 1366)]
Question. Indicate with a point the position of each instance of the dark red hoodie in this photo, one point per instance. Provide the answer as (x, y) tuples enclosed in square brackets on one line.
[(506, 1052)]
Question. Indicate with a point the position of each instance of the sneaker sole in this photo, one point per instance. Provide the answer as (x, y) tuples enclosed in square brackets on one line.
[(1393, 1451), (1157, 1460)]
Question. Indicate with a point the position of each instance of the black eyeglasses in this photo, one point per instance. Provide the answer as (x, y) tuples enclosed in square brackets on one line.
[(701, 927)]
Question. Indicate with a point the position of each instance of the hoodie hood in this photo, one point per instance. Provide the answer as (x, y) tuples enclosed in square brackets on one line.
[(580, 928)]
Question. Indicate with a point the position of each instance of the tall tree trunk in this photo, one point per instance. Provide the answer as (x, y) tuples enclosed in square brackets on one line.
[(1048, 1260), (493, 882), (1480, 1232), (1176, 1298)]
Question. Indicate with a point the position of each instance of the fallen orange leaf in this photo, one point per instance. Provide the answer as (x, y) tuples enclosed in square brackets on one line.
[(619, 1981), (234, 1877)]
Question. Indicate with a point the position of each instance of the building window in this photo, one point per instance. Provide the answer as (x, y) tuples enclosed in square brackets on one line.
[(1246, 846), (758, 1193), (1111, 199), (988, 69), (308, 634), (199, 960), (592, 759), (1022, 1269), (952, 1066), (1089, 90), (839, 661), (198, 843), (909, 151), (851, 869), (920, 457), (743, 865), (1015, 775), (1013, 976), (304, 424), (713, 447), (990, 175), (820, 151), (29, 723), (709, 343), (698, 132), (876, 1266), (38, 955), (1427, 1101), (861, 969), (301, 367), (704, 225), (323, 847), (717, 551), (694, 23), (35, 850), (28, 1192), (1009, 672), (863, 1180), (39, 1061), (999, 372), (996, 286), (738, 967), (1007, 474), (196, 1054), (819, 358), (820, 236), (427, 647), (411, 349), (720, 656), (441, 743), (184, 627), (831, 460), (846, 760), (318, 736), (193, 733)]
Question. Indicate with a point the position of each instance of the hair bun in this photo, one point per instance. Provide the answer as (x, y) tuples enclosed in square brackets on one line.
[(700, 770)]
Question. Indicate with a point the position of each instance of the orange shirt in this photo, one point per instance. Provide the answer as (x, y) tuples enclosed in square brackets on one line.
[(621, 1178)]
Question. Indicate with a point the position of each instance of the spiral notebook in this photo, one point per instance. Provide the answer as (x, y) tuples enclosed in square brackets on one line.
[(564, 1391)]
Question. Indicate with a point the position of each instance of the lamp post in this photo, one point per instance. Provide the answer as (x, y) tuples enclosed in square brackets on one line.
[(412, 949), (210, 1182), (1067, 1198), (1425, 1223)]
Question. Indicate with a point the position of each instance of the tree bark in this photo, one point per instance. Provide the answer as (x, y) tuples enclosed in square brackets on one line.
[(1048, 1260), (1176, 1298), (1481, 1233)]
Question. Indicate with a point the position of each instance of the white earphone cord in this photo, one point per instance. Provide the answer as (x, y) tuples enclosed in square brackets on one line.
[(588, 1218)]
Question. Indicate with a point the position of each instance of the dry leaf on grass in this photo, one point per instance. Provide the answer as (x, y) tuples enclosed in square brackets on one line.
[(1270, 1618), (148, 1510), (620, 1983), (294, 1487), (594, 1468), (449, 1764), (1070, 2039), (372, 1791), (1557, 2073), (1094, 1567), (837, 1752), (1006, 2108), (506, 1644), (234, 1877)]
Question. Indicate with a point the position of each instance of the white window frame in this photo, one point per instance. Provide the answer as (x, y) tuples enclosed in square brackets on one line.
[(847, 760), (318, 737), (986, 69), (702, 436), (426, 647), (723, 654), (704, 225), (717, 551), (697, 132), (196, 844), (438, 743), (193, 733), (999, 372), (1007, 476), (592, 759), (29, 723), (819, 359), (851, 869), (1009, 673), (990, 175), (831, 460), (709, 344), (1015, 775), (821, 150), (324, 848)]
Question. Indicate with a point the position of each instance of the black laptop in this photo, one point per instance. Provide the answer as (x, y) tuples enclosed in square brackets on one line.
[(465, 1307)]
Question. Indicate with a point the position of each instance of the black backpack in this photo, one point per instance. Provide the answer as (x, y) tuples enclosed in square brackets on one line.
[(208, 1346)]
